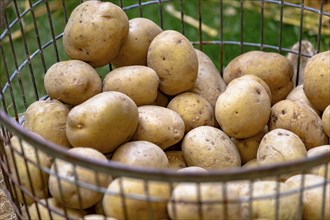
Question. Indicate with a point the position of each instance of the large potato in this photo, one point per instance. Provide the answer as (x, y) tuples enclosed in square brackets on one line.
[(236, 108), (209, 83), (274, 68), (210, 148), (317, 80), (326, 120), (141, 153), (140, 34), (29, 175), (103, 122), (174, 59), (72, 81), (128, 198), (94, 32), (161, 126), (301, 120), (48, 118), (193, 109), (320, 170), (203, 201), (140, 83), (70, 194)]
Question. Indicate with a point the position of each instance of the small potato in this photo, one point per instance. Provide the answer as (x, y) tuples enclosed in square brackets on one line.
[(192, 169), (142, 154), (209, 83), (140, 83), (72, 82), (140, 34), (314, 197), (94, 32), (320, 170), (236, 108), (301, 120), (174, 59), (259, 80), (97, 217), (161, 99), (250, 163), (161, 126), (59, 189), (141, 200), (175, 159), (48, 118), (193, 109), (203, 201), (326, 120), (210, 148), (317, 80)]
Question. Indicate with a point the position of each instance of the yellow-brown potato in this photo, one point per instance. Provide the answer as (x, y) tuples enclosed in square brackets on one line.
[(29, 175), (71, 193), (236, 108), (210, 148), (72, 81), (140, 83), (174, 59), (161, 99), (48, 118), (320, 170), (313, 195), (326, 120), (97, 217), (259, 80), (192, 169), (159, 125), (317, 80), (204, 201), (175, 159), (209, 83), (193, 109), (134, 49), (94, 32), (141, 154), (141, 200), (301, 120), (273, 68), (103, 122), (250, 163)]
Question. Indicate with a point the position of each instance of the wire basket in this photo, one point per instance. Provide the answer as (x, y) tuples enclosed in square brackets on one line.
[(31, 41)]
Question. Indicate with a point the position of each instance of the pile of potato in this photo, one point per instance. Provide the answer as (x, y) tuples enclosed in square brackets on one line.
[(164, 105)]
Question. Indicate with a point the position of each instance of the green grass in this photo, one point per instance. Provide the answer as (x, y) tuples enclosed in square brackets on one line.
[(24, 93)]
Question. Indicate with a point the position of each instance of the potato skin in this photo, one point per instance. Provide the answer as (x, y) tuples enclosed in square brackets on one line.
[(320, 170), (94, 32), (317, 80), (174, 59), (72, 82), (141, 33), (140, 83), (175, 159), (301, 120), (326, 120)]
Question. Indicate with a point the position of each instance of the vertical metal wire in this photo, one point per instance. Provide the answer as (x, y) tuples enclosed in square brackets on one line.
[(52, 30), (199, 200), (148, 199), (262, 9), (122, 195), (277, 198), (221, 38), (300, 39), (280, 35), (182, 17), (224, 200), (324, 191), (140, 9), (241, 25), (161, 14), (65, 13), (301, 194), (200, 25), (320, 27)]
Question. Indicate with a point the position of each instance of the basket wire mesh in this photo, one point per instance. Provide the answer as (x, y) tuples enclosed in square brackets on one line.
[(30, 42)]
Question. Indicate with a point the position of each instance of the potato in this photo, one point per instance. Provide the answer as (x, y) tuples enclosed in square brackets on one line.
[(48, 118), (326, 120), (79, 197), (193, 109), (103, 122), (250, 163), (320, 170), (94, 32), (174, 59), (273, 68), (159, 125), (317, 80), (72, 81), (203, 201), (140, 83), (236, 108), (51, 209), (301, 120), (298, 94), (175, 159), (97, 217), (259, 80), (141, 200), (141, 154), (313, 195), (192, 169), (29, 175), (209, 83), (140, 34), (264, 196), (210, 148), (248, 147), (161, 99)]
